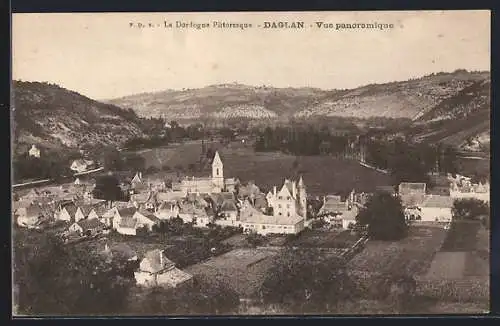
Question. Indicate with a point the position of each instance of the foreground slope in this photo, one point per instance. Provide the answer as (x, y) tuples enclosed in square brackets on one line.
[(54, 118)]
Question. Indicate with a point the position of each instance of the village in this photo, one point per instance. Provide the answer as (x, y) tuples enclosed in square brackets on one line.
[(203, 203)]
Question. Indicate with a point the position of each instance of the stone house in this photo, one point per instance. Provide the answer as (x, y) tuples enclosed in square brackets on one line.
[(157, 270)]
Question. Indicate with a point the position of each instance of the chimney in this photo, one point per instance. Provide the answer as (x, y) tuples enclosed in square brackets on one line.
[(274, 190)]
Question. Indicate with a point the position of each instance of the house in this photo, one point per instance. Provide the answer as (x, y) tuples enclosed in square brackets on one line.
[(83, 211), (167, 210), (436, 208), (228, 210), (253, 220), (77, 182), (139, 220), (67, 212), (32, 215), (290, 201), (87, 227), (157, 270), (121, 214), (81, 165), (34, 151), (137, 184), (189, 213)]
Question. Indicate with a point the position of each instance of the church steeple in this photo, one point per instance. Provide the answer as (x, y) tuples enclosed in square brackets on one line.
[(218, 171)]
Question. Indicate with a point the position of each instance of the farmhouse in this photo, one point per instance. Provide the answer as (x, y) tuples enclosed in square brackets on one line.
[(157, 270), (87, 227)]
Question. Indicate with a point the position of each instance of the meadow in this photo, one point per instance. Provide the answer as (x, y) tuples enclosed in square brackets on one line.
[(321, 174)]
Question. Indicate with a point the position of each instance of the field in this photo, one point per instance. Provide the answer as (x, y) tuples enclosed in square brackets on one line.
[(243, 270), (322, 174), (467, 166), (462, 236), (324, 239), (411, 255)]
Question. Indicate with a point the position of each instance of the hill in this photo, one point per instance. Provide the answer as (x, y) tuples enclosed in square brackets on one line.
[(405, 99), (56, 118), (451, 107)]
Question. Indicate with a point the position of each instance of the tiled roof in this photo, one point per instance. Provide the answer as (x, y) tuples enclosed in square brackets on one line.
[(127, 212), (333, 207), (169, 196), (90, 224), (86, 209), (229, 206), (150, 216), (71, 209), (438, 201), (411, 187), (175, 276)]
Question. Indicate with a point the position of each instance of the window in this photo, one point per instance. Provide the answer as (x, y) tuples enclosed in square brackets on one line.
[(279, 213), (287, 205), (279, 205), (288, 214), (217, 172), (288, 198), (280, 197)]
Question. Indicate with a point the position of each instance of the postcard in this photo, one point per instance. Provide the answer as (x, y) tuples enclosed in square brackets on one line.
[(251, 163)]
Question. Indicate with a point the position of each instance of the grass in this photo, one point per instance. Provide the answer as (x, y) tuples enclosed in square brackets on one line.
[(322, 174), (462, 236), (324, 239)]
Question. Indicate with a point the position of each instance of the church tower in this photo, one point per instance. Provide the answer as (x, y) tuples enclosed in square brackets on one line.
[(218, 171), (302, 198)]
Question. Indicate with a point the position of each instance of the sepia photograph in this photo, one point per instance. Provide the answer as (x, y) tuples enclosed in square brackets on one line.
[(332, 163)]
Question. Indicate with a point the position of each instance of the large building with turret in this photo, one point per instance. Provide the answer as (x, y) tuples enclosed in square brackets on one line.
[(290, 200)]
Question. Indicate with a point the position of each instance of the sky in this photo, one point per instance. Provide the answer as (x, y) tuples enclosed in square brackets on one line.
[(99, 55)]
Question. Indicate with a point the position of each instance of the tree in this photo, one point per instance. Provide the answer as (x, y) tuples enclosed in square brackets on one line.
[(108, 188), (384, 216), (306, 281), (59, 280), (469, 209)]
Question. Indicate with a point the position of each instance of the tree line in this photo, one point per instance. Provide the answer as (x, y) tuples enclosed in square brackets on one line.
[(410, 162), (300, 141)]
